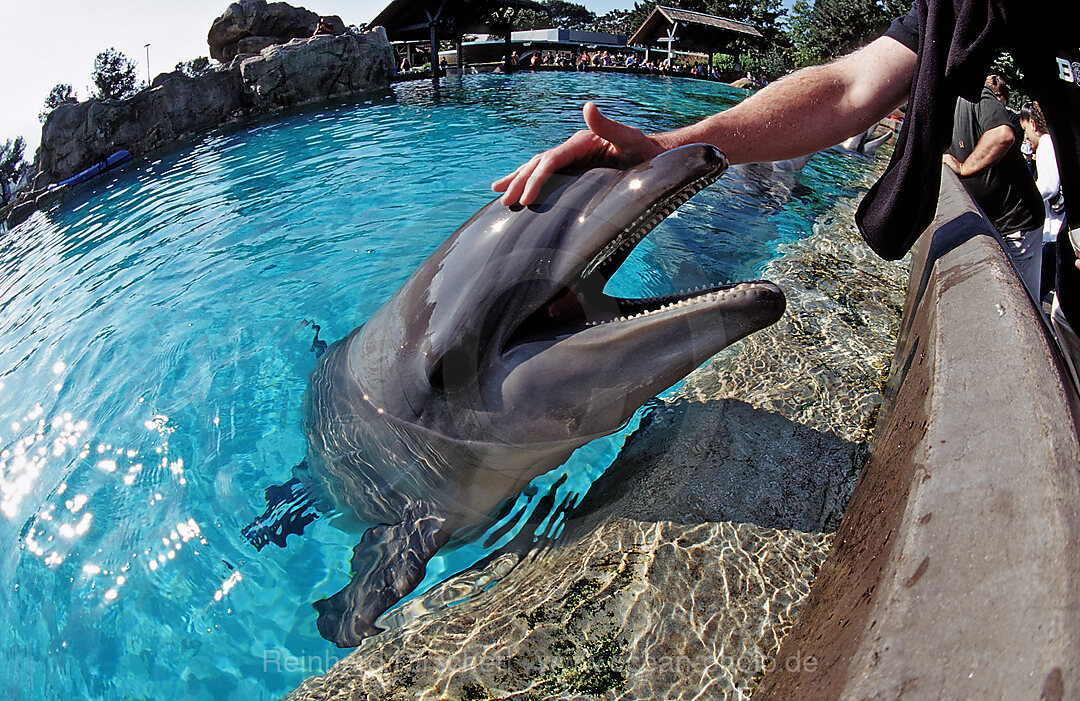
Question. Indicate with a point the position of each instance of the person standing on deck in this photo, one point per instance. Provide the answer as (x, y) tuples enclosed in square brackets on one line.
[(985, 153)]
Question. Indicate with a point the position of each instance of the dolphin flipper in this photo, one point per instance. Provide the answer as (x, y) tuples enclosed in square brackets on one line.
[(387, 564), (318, 346), (289, 508)]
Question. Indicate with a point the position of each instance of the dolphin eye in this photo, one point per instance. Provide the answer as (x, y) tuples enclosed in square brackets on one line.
[(435, 375)]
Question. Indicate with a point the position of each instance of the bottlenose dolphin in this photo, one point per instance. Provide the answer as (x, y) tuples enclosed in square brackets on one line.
[(496, 359), (866, 142)]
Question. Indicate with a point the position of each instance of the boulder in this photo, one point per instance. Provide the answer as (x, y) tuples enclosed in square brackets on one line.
[(316, 68), (77, 135), (248, 24), (254, 45)]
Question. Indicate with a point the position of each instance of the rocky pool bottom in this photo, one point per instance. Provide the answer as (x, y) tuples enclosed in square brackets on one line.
[(686, 564)]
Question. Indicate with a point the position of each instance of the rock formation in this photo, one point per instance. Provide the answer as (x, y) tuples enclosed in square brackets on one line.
[(307, 70), (78, 135), (249, 26)]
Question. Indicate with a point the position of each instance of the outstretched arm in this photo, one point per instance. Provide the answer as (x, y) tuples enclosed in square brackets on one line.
[(804, 112)]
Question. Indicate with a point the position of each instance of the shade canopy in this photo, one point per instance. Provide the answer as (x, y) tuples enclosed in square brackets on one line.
[(692, 31), (408, 20)]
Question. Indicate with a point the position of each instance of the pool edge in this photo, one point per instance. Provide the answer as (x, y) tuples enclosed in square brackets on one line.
[(953, 572)]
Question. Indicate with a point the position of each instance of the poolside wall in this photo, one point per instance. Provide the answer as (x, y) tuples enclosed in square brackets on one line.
[(954, 573)]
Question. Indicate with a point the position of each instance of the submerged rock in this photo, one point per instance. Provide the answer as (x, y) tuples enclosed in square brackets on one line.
[(686, 563), (622, 609)]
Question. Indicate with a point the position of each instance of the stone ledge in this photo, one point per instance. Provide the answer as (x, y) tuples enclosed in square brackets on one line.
[(954, 572)]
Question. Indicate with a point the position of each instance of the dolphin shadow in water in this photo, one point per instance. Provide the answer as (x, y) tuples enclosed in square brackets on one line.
[(693, 462), (498, 358)]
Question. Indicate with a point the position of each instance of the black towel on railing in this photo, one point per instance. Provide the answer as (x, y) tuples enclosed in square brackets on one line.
[(957, 41)]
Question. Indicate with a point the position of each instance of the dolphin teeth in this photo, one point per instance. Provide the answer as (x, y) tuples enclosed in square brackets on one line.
[(647, 221)]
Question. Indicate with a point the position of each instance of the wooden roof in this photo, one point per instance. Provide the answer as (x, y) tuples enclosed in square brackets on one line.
[(412, 19), (694, 30)]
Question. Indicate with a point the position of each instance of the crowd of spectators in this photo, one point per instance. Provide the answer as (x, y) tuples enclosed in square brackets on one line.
[(584, 59)]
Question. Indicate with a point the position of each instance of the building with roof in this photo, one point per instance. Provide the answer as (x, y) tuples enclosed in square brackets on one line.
[(432, 20), (488, 49), (692, 31)]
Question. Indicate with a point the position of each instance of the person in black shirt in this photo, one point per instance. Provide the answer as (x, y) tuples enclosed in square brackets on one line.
[(955, 37), (940, 50), (985, 153)]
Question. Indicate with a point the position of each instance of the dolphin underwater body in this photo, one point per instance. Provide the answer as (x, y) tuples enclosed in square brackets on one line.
[(495, 360)]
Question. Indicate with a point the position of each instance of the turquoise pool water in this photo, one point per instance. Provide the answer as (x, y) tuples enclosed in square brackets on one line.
[(156, 347)]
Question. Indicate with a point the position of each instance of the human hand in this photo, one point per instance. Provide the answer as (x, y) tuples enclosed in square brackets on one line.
[(954, 165), (605, 143)]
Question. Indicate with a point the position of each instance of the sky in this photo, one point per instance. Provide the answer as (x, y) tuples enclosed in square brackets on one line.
[(47, 42)]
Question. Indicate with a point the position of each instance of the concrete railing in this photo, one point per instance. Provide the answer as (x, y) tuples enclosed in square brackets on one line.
[(956, 570)]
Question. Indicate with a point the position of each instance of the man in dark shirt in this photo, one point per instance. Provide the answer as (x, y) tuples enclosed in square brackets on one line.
[(1042, 39), (985, 153), (928, 58)]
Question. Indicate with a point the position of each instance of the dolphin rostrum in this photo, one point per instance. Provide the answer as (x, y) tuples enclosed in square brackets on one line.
[(496, 359)]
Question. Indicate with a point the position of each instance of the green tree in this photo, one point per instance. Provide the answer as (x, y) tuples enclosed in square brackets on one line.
[(637, 16), (558, 14), (1004, 66), (194, 67), (569, 15), (822, 30), (114, 75), (766, 64), (765, 15), (60, 94), (614, 22), (12, 165), (765, 58), (724, 63)]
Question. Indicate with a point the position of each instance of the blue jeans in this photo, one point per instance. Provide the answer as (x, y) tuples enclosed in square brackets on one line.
[(1025, 250)]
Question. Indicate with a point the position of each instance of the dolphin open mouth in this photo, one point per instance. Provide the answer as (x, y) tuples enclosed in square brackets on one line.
[(581, 303)]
